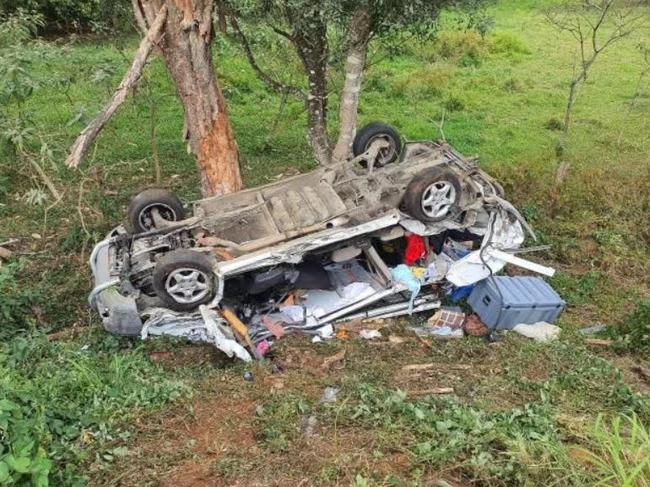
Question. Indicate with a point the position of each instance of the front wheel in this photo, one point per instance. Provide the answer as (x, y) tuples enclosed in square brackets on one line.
[(433, 195), (184, 279)]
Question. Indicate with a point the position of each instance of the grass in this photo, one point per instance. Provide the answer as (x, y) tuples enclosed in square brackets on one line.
[(70, 410)]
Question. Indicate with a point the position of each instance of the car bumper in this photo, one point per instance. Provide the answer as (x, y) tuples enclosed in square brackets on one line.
[(119, 313)]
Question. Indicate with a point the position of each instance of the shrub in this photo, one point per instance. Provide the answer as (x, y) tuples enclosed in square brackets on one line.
[(618, 453), (60, 405), (634, 333), (78, 16), (15, 301)]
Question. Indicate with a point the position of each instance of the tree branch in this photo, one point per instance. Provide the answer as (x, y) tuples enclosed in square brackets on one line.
[(89, 134), (265, 77)]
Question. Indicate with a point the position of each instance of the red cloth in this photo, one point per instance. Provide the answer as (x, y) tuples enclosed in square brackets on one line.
[(415, 249)]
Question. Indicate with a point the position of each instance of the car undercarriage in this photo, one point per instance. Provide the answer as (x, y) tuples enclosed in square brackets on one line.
[(304, 253)]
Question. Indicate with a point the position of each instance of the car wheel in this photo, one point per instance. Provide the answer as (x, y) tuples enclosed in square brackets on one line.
[(140, 211), (432, 195), (184, 279), (375, 131)]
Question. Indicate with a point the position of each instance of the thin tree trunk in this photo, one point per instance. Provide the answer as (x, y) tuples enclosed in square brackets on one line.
[(358, 36), (311, 45), (317, 118), (89, 134)]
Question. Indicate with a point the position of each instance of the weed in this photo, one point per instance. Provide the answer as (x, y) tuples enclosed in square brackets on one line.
[(634, 333), (577, 289), (554, 124), (60, 404), (618, 451), (15, 301), (279, 420)]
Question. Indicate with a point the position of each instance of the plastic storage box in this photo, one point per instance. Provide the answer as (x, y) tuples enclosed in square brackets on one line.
[(503, 302)]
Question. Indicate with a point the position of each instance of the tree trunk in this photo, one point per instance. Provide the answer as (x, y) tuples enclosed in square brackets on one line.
[(311, 46), (186, 49), (358, 36)]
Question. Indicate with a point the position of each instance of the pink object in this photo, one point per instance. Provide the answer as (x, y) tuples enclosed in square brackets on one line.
[(263, 347)]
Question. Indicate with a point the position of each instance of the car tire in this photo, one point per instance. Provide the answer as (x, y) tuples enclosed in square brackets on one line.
[(432, 196), (139, 211), (183, 279), (371, 132)]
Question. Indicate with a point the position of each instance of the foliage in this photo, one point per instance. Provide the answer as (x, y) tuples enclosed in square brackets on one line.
[(75, 16), (482, 444), (618, 451), (634, 333), (15, 301), (60, 404), (17, 84), (278, 420)]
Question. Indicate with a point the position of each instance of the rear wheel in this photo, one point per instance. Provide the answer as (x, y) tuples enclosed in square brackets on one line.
[(432, 195), (184, 279), (370, 133), (141, 211)]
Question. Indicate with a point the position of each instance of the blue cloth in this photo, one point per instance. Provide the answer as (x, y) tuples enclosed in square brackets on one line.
[(403, 275)]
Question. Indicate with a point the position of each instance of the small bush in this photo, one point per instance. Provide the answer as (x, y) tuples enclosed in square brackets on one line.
[(460, 45), (429, 81), (554, 124), (506, 43), (634, 333), (15, 301)]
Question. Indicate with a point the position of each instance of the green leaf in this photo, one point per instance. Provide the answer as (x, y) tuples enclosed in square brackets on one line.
[(20, 464), (4, 473)]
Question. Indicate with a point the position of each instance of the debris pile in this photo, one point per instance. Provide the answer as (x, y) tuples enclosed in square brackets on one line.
[(405, 274)]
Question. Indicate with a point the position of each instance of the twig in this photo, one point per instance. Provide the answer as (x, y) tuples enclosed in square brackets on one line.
[(265, 77)]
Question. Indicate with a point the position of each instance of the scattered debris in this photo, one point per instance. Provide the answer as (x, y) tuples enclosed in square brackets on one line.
[(540, 332), (308, 425), (5, 253), (432, 391), (503, 302), (369, 334), (599, 342), (329, 395), (593, 329), (445, 316), (248, 376), (475, 327), (395, 340)]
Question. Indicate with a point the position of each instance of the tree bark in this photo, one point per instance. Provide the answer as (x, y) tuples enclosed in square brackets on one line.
[(311, 46), (186, 49), (90, 133), (359, 32)]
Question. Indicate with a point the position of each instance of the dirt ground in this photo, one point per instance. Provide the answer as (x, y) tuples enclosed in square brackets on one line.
[(217, 438)]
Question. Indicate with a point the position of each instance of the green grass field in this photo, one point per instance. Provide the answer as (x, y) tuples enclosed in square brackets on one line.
[(90, 408)]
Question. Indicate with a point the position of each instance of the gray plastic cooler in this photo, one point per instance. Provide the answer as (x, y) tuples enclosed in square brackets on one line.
[(520, 300)]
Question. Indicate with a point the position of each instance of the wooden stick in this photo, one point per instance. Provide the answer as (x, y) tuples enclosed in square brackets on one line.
[(89, 134), (434, 390)]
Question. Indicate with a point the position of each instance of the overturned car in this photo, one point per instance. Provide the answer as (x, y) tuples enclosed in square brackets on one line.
[(371, 237)]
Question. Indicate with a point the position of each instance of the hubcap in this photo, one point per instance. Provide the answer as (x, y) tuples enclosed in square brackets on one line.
[(187, 285), (438, 198), (385, 154), (146, 215)]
